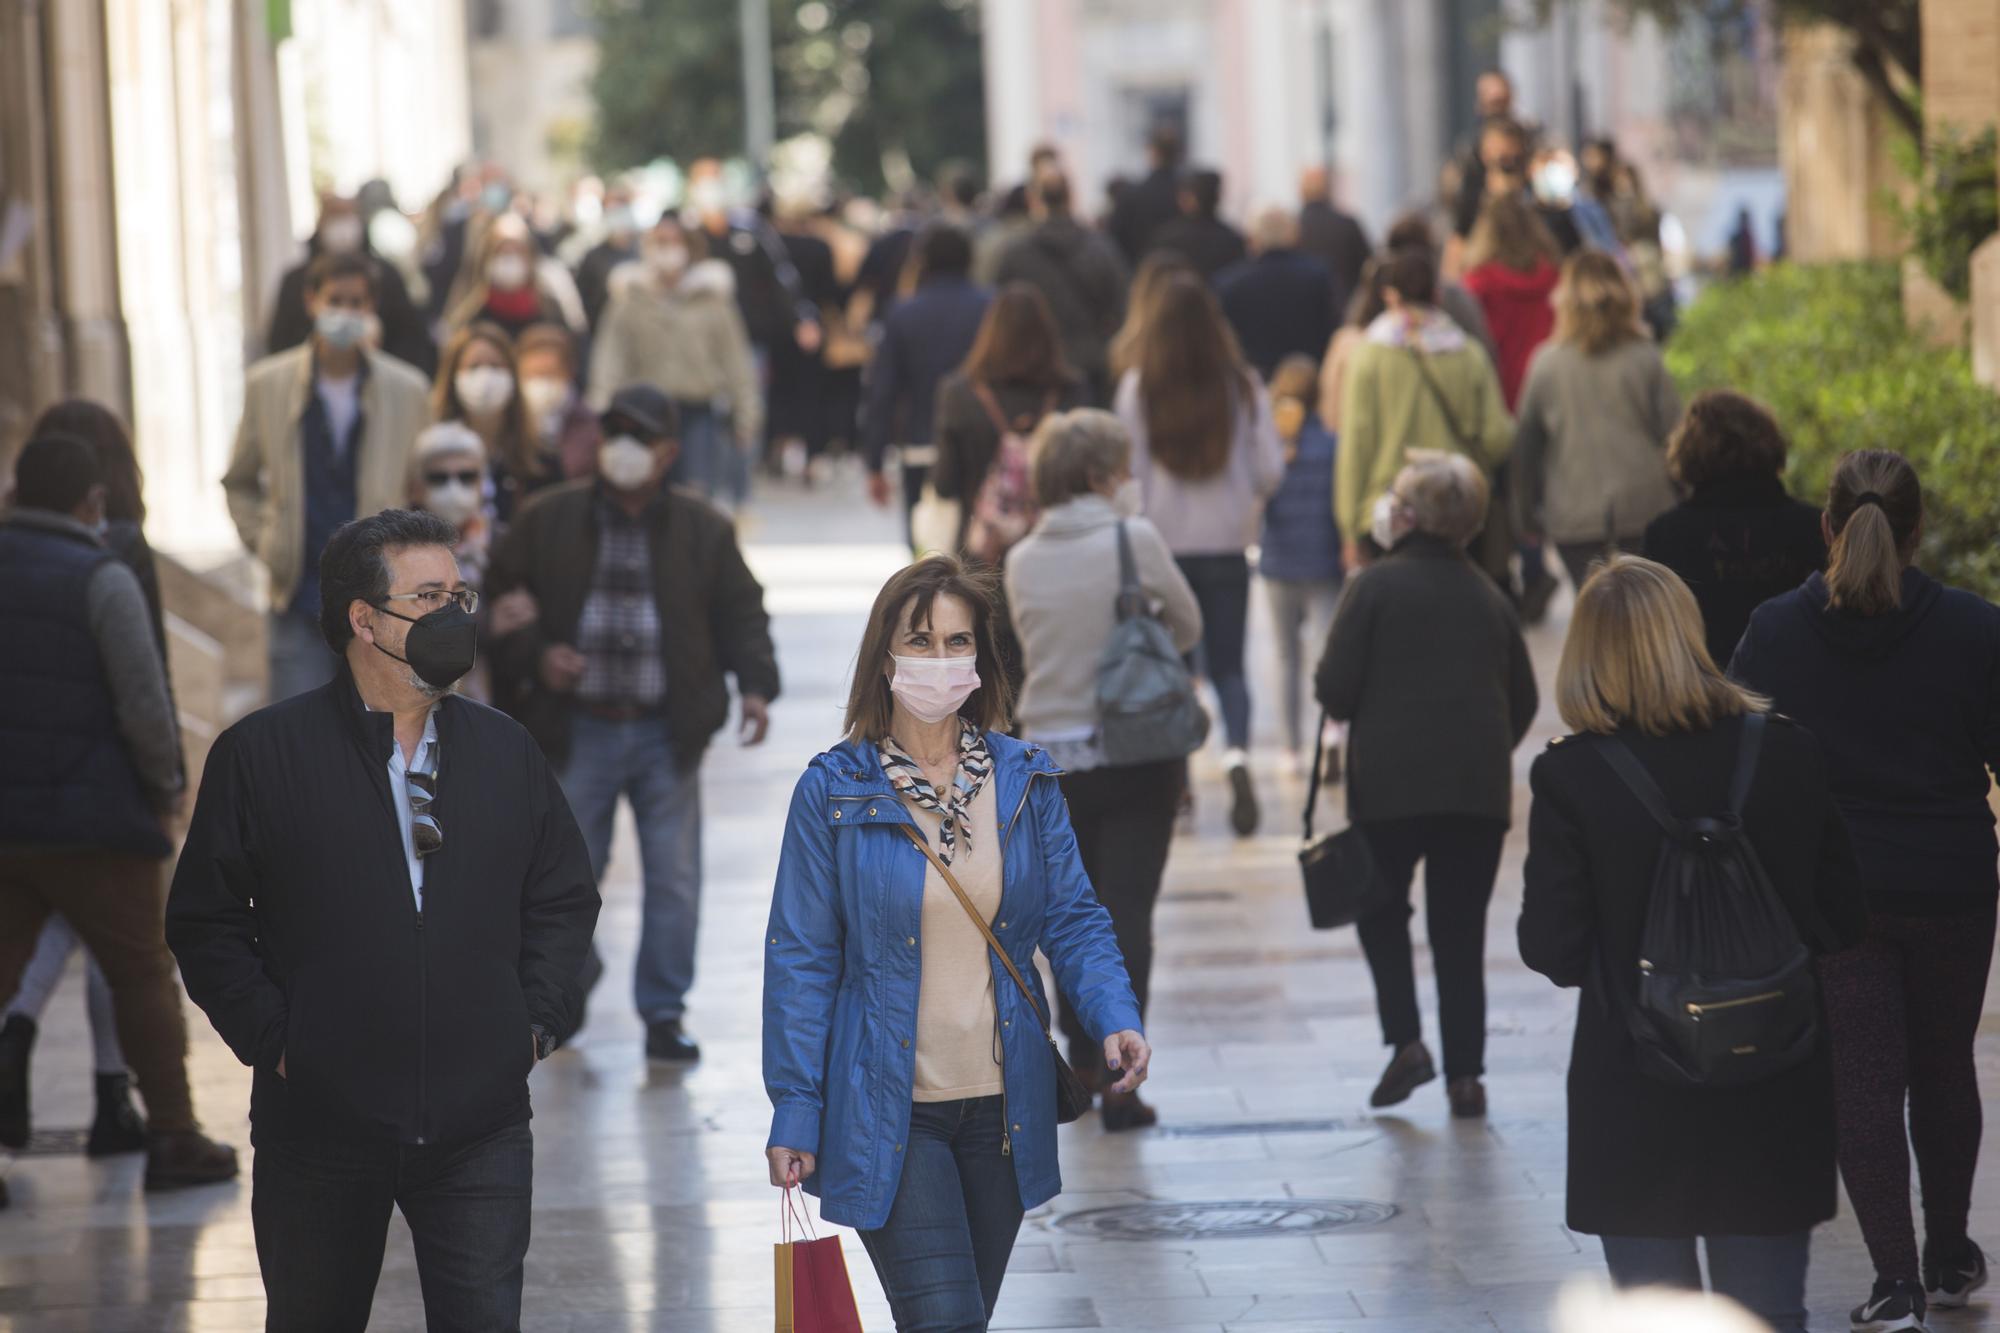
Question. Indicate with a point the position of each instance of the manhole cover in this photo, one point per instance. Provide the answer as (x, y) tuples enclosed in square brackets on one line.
[(1232, 1219)]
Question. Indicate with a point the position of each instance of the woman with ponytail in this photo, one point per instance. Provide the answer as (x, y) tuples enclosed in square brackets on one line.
[(1899, 677)]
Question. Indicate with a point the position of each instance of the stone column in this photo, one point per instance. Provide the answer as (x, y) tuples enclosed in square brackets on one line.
[(98, 359), (1008, 51), (1961, 92), (31, 346), (1834, 146)]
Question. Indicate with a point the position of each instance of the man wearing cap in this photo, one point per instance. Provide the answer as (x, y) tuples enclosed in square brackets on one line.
[(642, 602)]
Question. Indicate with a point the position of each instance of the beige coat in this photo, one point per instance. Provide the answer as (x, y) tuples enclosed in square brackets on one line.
[(688, 341), (265, 481)]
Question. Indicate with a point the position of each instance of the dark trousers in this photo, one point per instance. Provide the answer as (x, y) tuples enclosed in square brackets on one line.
[(321, 1215), (1461, 855), (117, 906), (1124, 822), (1904, 1007), (1221, 586), (1765, 1274), (944, 1249), (1579, 558)]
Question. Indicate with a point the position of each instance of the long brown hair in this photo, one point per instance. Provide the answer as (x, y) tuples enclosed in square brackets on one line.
[(1875, 504), (905, 602), (1509, 234), (1018, 342), (515, 448), (1147, 279), (117, 465), (1192, 381)]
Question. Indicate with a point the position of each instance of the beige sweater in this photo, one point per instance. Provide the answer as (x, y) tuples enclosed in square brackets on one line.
[(957, 1042)]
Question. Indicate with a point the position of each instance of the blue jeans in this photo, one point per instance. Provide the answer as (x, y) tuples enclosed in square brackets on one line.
[(320, 1210), (299, 657), (709, 457), (1221, 586), (1764, 1274), (944, 1250), (636, 760)]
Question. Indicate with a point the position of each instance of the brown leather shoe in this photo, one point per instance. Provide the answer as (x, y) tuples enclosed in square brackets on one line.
[(189, 1157), (1410, 1070), (1468, 1098)]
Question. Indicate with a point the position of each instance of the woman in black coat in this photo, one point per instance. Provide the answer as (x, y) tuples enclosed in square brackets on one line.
[(1654, 1166), (1739, 539), (1425, 660)]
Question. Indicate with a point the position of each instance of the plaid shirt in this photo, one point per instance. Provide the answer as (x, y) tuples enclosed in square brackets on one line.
[(619, 633)]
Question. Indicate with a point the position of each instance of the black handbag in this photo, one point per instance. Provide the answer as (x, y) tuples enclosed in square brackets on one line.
[(1342, 884), (1072, 1098)]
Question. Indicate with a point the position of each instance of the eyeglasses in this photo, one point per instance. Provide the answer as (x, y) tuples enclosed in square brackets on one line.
[(469, 477), (434, 599), (425, 835)]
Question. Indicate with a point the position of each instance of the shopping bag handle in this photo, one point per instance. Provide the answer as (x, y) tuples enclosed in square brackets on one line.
[(789, 1211)]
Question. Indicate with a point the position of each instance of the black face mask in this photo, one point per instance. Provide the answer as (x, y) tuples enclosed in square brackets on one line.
[(440, 646)]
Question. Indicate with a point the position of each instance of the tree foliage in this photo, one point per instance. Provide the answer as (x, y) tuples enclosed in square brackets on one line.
[(890, 83)]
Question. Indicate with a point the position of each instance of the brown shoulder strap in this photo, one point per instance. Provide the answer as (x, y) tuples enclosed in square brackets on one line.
[(965, 901)]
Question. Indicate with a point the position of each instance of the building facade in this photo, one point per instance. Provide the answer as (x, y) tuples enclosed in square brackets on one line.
[(531, 63)]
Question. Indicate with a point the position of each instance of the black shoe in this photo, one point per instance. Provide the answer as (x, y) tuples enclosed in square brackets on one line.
[(1123, 1110), (1949, 1285), (1243, 814), (1410, 1070), (188, 1158), (1892, 1308), (118, 1128), (666, 1041), (17, 1041), (1536, 594)]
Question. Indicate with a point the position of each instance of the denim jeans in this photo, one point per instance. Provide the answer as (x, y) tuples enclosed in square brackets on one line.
[(53, 948), (1301, 615), (709, 461), (299, 657), (320, 1210), (944, 1250), (1221, 586), (1764, 1274), (636, 760)]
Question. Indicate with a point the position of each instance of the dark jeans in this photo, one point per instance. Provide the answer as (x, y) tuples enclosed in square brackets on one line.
[(1765, 1274), (1461, 855), (1903, 1007), (1221, 586), (1579, 558), (321, 1215), (944, 1249), (1124, 822)]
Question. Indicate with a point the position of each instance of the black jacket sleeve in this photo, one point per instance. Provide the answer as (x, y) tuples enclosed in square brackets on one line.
[(559, 905), (737, 618), (1557, 930), (516, 656), (212, 923), (1343, 665), (1523, 699)]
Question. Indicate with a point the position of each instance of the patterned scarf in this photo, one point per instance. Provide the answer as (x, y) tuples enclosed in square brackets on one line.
[(975, 765)]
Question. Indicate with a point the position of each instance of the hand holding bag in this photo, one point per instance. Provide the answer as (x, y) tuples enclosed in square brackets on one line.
[(1342, 883), (813, 1293), (1072, 1098)]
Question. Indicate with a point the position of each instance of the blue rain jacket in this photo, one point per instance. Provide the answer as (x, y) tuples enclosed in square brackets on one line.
[(841, 962)]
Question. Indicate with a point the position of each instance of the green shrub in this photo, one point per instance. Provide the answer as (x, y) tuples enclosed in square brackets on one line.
[(1826, 349), (1956, 207)]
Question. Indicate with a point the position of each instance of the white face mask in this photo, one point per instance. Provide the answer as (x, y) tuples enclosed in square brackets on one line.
[(454, 502), (341, 329), (669, 261), (932, 688), (1385, 524), (544, 394), (341, 235), (1129, 500), (625, 463), (508, 271), (484, 389)]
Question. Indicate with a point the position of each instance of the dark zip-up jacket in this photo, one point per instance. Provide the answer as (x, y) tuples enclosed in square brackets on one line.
[(297, 932)]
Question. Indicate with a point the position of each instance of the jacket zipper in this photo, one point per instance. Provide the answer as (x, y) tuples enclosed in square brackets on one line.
[(1697, 1010)]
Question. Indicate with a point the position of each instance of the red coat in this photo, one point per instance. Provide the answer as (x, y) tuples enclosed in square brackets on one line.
[(1519, 312)]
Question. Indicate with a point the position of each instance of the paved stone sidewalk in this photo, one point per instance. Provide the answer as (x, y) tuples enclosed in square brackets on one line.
[(1269, 1199)]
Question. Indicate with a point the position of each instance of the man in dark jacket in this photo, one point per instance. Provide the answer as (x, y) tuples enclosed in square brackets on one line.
[(1152, 202), (1082, 277), (90, 780), (924, 339), (383, 905), (1334, 238), (342, 230), (642, 603), (1283, 302), (1199, 234)]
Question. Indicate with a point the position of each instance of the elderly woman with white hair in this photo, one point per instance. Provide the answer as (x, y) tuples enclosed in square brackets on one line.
[(1063, 583), (1426, 664)]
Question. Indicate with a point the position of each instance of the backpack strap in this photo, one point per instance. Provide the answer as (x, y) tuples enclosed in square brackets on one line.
[(992, 405), (1634, 775), (1747, 748)]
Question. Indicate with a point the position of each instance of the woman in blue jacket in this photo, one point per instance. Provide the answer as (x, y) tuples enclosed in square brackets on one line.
[(913, 1083)]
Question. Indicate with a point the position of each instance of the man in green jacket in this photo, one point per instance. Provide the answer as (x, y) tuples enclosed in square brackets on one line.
[(1417, 382)]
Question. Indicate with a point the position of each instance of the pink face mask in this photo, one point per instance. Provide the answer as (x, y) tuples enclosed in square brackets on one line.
[(932, 688)]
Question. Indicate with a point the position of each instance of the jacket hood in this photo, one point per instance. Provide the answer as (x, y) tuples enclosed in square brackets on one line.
[(710, 277), (1515, 285), (1869, 637), (1430, 330)]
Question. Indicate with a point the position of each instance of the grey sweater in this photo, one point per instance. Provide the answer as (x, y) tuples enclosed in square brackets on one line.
[(1590, 442)]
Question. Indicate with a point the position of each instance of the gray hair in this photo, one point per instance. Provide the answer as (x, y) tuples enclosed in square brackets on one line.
[(1073, 452), (1446, 494), (1274, 228)]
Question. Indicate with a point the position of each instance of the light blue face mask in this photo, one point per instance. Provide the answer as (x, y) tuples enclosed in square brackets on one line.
[(495, 198), (341, 329)]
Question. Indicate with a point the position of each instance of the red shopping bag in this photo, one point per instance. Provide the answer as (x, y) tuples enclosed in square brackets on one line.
[(814, 1295)]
